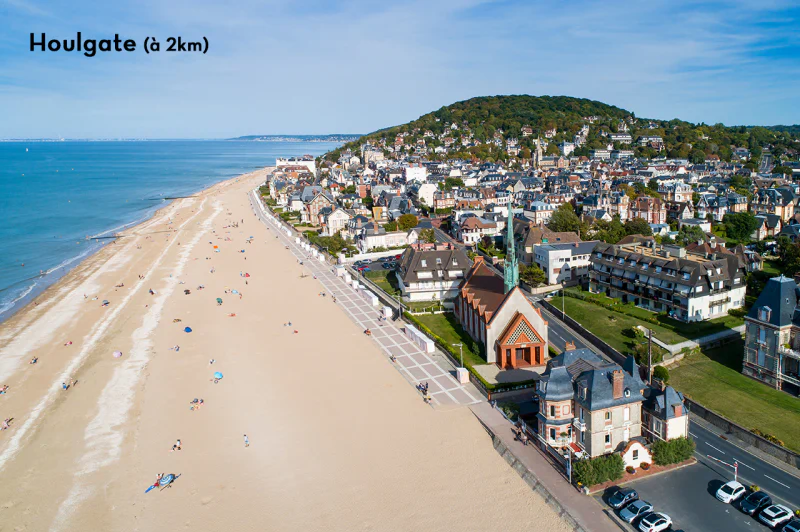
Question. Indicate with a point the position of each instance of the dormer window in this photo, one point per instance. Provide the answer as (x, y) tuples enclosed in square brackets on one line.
[(438, 260), (685, 276), (455, 262), (764, 313), (423, 263), (658, 269), (644, 266)]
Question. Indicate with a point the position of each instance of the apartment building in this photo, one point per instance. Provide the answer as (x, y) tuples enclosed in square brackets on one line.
[(566, 263), (429, 272), (690, 287)]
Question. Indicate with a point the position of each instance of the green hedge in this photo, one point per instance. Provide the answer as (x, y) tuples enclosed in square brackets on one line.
[(615, 307), (455, 354), (661, 373), (737, 312), (597, 470), (672, 451)]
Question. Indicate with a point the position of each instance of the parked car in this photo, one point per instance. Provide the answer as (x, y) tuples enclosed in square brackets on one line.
[(398, 257), (755, 502), (792, 526), (655, 522), (635, 510), (386, 265), (385, 259), (775, 515), (622, 497), (364, 269), (730, 491)]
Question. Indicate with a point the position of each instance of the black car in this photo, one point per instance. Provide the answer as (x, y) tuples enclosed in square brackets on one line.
[(792, 526), (622, 497), (756, 501)]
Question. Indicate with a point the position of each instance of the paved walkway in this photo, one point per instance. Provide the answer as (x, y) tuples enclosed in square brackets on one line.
[(416, 366), (585, 511)]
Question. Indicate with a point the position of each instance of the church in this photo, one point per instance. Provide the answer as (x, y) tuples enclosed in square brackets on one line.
[(495, 312)]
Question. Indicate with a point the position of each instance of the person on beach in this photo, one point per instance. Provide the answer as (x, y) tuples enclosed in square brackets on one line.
[(6, 423), (246, 441), (64, 386), (34, 360), (4, 389), (177, 446), (158, 480)]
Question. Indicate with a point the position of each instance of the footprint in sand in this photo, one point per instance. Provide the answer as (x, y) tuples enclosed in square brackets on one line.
[(206, 500)]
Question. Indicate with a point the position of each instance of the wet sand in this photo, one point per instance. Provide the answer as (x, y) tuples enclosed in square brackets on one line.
[(338, 439)]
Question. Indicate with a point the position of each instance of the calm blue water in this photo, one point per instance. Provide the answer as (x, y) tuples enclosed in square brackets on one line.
[(56, 193)]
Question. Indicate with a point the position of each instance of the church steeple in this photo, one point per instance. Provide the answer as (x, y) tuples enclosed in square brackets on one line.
[(511, 267)]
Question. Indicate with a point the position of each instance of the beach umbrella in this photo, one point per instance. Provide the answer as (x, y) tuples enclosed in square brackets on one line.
[(217, 375), (187, 329), (117, 354), (219, 301), (235, 292), (247, 275)]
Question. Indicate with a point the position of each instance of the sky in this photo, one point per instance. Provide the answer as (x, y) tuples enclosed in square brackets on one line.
[(354, 66)]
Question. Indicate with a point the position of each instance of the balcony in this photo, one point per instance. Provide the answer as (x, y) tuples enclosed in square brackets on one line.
[(794, 353), (578, 424)]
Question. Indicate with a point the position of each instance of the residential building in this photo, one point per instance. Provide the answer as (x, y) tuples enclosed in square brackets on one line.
[(772, 342), (566, 263), (429, 272), (652, 210), (780, 201), (306, 161), (589, 404), (689, 287), (472, 229), (676, 191), (528, 235), (769, 225), (333, 220), (664, 413)]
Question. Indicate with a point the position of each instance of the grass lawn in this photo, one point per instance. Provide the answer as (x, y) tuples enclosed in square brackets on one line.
[(446, 326), (713, 379), (612, 327), (668, 330), (385, 281), (771, 268)]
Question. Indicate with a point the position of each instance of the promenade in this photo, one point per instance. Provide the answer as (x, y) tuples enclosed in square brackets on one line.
[(416, 366)]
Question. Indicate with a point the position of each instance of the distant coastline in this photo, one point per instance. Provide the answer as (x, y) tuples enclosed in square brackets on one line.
[(335, 137)]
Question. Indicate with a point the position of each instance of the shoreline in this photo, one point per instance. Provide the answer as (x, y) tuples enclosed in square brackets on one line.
[(60, 272)]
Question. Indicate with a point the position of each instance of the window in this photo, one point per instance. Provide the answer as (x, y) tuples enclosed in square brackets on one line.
[(737, 281), (438, 260), (698, 289), (686, 276), (608, 439), (626, 414), (552, 434), (423, 263), (552, 411), (565, 410), (636, 454), (658, 269), (608, 415)]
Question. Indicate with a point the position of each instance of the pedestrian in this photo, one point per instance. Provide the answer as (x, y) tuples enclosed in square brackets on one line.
[(246, 441), (177, 446)]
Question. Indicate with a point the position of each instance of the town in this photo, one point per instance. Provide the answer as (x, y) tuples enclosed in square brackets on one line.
[(623, 290)]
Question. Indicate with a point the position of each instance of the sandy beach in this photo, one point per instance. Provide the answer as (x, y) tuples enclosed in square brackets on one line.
[(338, 440)]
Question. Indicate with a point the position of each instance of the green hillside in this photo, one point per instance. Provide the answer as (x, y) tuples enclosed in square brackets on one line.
[(484, 116)]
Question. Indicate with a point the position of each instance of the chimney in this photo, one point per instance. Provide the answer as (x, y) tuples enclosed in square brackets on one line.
[(617, 379), (569, 346), (576, 244)]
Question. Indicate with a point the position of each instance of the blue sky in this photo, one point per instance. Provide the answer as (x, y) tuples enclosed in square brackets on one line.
[(319, 66)]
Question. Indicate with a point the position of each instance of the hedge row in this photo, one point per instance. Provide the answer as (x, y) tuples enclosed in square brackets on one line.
[(672, 451), (768, 437), (614, 307), (600, 469)]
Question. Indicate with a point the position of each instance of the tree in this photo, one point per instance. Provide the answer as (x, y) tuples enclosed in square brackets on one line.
[(661, 373), (428, 236), (638, 226), (564, 219), (689, 234), (532, 275), (406, 222), (740, 225), (785, 170), (673, 451), (452, 182), (698, 157), (653, 184)]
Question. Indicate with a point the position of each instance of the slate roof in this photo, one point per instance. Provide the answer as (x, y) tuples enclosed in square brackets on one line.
[(780, 295), (411, 263), (663, 402)]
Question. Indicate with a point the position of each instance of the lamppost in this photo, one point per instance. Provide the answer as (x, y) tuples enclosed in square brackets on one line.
[(461, 351)]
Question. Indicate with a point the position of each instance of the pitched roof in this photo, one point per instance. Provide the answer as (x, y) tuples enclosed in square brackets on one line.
[(484, 288), (780, 295)]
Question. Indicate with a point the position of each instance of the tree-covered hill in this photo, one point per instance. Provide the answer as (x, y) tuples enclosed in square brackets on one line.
[(484, 125)]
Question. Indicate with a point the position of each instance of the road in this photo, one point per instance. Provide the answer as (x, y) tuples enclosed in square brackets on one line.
[(766, 164)]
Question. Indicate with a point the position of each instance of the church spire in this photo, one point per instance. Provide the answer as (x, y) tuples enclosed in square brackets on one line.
[(511, 268)]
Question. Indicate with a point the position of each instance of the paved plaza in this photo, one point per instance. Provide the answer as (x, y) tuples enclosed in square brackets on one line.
[(415, 365)]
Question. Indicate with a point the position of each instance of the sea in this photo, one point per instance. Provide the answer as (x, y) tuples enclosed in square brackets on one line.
[(53, 195)]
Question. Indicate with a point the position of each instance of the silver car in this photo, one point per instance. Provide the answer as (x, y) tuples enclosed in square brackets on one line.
[(635, 510)]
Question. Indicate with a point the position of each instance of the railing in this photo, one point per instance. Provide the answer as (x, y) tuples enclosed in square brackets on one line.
[(788, 351), (578, 424)]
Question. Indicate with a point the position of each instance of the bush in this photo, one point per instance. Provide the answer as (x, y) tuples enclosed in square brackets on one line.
[(737, 312), (645, 465), (673, 451), (661, 373), (511, 410), (600, 469), (768, 437)]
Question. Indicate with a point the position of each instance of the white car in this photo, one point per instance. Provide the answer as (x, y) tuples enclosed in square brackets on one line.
[(730, 491), (775, 515), (655, 522)]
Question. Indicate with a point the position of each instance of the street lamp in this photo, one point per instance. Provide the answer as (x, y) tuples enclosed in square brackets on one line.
[(461, 351)]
